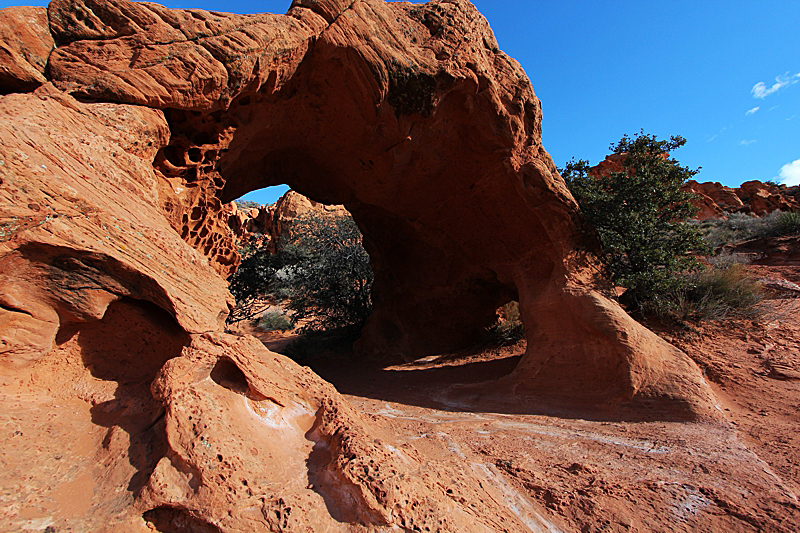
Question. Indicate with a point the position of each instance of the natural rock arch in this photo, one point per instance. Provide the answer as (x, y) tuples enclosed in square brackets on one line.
[(410, 116)]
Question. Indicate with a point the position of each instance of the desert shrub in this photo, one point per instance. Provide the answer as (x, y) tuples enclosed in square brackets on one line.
[(509, 328), (274, 321), (331, 286), (718, 292), (320, 270), (641, 216), (247, 204), (742, 227), (258, 281), (788, 223), (737, 227)]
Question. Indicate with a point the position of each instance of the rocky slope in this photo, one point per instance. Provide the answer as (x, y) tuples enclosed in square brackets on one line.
[(126, 405)]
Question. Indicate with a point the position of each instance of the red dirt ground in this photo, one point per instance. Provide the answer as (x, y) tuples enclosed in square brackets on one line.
[(614, 474)]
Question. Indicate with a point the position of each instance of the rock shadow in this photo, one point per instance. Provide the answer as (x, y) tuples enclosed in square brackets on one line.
[(129, 346), (459, 384)]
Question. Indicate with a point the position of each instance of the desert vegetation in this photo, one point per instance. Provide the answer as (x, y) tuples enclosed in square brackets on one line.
[(651, 245), (743, 226), (320, 274)]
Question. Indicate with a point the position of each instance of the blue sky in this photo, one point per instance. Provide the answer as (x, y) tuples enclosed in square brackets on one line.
[(725, 74)]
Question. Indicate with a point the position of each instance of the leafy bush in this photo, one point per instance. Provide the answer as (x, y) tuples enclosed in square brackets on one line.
[(256, 284), (641, 216), (331, 283), (274, 321), (321, 269)]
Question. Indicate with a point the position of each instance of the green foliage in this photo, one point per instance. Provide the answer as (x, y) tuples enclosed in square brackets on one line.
[(274, 321), (788, 223), (720, 291), (641, 215), (742, 227), (737, 227), (321, 270), (331, 284), (256, 282)]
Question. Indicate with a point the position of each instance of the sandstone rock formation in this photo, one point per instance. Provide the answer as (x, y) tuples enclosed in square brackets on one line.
[(449, 151), (268, 223), (115, 242), (751, 197), (714, 200), (25, 46)]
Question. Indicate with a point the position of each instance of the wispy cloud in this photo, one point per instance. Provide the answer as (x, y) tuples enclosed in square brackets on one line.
[(752, 111), (712, 137), (790, 173), (745, 143), (760, 89), (773, 108)]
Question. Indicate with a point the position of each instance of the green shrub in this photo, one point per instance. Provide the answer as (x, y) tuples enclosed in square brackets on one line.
[(331, 283), (741, 227), (788, 223), (321, 269), (247, 204), (256, 284), (736, 227), (641, 216), (274, 321)]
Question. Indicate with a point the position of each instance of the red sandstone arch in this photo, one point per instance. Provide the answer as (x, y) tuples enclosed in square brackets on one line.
[(410, 116)]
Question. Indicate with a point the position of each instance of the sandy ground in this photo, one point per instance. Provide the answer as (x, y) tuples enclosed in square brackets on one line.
[(614, 474), (556, 472)]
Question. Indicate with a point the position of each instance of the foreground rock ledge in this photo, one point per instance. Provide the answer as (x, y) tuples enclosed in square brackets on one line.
[(146, 120)]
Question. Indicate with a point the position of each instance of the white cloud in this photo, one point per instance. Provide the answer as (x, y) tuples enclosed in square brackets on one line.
[(760, 89), (752, 111), (712, 137), (745, 143), (790, 173)]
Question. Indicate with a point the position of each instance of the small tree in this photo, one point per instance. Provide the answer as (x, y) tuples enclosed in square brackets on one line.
[(641, 214), (256, 283), (320, 269), (333, 282)]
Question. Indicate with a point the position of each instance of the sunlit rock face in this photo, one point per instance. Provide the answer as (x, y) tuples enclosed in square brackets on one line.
[(114, 175)]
